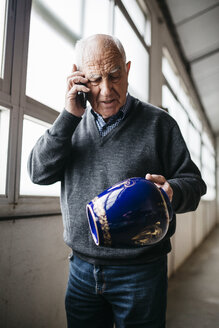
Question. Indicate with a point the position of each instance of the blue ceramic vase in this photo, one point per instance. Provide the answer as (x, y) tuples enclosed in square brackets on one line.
[(131, 213)]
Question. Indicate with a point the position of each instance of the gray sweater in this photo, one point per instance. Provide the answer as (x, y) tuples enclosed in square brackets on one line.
[(148, 140)]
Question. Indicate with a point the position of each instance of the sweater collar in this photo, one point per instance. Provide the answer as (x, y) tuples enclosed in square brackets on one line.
[(118, 116)]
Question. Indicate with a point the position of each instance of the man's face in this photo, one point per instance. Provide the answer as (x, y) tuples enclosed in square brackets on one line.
[(108, 79)]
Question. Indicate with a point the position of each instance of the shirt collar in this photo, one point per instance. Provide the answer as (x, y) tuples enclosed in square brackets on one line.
[(120, 115)]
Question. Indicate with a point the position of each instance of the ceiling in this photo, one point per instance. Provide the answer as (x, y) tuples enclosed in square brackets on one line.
[(196, 27)]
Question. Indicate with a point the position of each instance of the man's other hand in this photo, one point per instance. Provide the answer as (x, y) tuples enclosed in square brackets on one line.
[(161, 182)]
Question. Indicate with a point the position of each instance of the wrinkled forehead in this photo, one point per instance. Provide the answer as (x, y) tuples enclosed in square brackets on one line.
[(102, 59)]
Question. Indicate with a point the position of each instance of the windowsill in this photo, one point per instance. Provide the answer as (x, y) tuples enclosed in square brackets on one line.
[(29, 206)]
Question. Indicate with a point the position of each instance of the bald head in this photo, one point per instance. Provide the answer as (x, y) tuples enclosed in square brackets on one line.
[(97, 44)]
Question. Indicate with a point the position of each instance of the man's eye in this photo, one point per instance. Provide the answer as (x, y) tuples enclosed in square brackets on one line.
[(95, 82), (114, 77)]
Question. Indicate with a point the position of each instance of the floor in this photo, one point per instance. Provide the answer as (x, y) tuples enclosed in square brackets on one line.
[(193, 297)]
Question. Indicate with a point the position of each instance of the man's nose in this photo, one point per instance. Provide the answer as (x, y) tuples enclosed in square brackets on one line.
[(105, 87)]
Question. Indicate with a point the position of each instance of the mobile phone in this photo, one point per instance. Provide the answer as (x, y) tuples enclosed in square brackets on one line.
[(83, 98)]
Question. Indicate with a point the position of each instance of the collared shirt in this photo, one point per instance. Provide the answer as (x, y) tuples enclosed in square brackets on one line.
[(105, 127)]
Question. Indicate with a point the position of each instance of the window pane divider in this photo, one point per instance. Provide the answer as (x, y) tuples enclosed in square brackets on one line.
[(130, 21), (40, 111), (16, 116), (5, 100), (5, 84), (12, 154)]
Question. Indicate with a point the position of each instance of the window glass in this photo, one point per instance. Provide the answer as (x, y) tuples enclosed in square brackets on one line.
[(181, 109), (183, 122), (175, 110), (183, 96), (50, 59), (194, 118), (3, 5), (211, 193), (96, 19), (4, 132), (208, 167), (136, 15), (208, 159), (196, 159), (207, 141), (68, 12), (194, 144), (32, 130), (194, 140), (209, 179), (170, 75), (211, 162), (137, 54), (169, 101)]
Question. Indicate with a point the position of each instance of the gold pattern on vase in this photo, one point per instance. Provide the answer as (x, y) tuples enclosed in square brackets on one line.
[(101, 213), (148, 235)]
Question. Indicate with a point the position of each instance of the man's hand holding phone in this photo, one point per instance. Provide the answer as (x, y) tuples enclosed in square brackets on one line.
[(74, 100)]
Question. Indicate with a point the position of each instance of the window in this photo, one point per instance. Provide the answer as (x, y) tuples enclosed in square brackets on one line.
[(169, 101), (195, 145), (3, 15), (67, 12), (136, 15), (135, 51), (183, 96), (176, 99), (32, 130), (51, 55), (208, 167), (175, 110), (96, 21), (183, 120), (170, 75), (139, 14), (4, 134)]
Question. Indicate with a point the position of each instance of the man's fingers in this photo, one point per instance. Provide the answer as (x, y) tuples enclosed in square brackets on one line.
[(74, 68), (75, 89), (161, 182), (76, 78), (155, 178)]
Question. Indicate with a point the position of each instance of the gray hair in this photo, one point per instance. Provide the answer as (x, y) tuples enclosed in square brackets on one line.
[(108, 41)]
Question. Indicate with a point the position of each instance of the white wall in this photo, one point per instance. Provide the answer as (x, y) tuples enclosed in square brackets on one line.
[(33, 274), (191, 229)]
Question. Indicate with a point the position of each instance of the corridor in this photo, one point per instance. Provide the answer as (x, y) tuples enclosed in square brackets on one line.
[(193, 298)]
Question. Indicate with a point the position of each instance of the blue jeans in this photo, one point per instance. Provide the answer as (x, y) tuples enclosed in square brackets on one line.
[(129, 296)]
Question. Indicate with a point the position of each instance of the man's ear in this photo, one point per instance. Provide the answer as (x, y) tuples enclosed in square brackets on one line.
[(128, 67)]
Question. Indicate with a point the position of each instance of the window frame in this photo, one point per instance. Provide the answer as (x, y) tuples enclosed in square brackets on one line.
[(12, 97)]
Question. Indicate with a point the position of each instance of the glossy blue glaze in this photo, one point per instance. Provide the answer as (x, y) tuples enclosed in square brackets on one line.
[(131, 213)]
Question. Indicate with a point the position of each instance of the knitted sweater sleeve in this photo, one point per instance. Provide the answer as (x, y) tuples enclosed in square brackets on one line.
[(48, 157), (182, 173)]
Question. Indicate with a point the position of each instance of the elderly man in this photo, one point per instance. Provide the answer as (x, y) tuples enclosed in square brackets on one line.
[(89, 150)]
